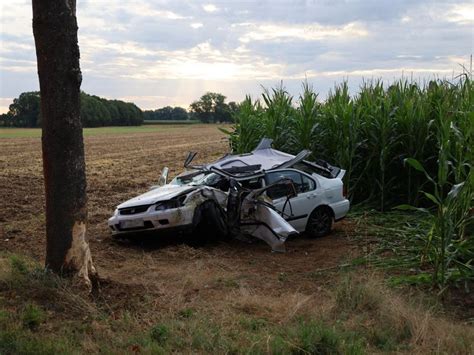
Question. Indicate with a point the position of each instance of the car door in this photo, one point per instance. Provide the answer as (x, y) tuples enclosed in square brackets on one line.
[(296, 210)]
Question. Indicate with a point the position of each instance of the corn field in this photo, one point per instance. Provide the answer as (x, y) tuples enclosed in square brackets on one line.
[(408, 144)]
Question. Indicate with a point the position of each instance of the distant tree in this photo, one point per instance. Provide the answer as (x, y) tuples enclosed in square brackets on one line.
[(211, 107), (179, 113), (6, 119), (233, 107), (25, 109), (166, 113), (57, 52)]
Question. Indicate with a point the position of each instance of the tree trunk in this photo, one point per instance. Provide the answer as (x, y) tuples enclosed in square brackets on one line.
[(57, 52)]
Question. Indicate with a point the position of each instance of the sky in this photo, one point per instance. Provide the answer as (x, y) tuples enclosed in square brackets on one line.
[(159, 53)]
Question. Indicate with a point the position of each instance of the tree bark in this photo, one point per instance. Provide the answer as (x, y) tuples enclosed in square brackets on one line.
[(57, 52)]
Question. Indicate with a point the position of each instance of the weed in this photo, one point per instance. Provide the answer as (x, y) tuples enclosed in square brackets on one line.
[(4, 318), (418, 279), (160, 333), (317, 338), (356, 296), (18, 264), (18, 342), (32, 316), (282, 276), (253, 324), (186, 313), (278, 345), (227, 282)]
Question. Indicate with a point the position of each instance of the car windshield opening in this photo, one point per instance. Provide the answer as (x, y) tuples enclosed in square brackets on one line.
[(197, 179)]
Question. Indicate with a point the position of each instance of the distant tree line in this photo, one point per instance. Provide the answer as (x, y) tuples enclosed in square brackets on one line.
[(167, 113), (95, 112), (210, 108)]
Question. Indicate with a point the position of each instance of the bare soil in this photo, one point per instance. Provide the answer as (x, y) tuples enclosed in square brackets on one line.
[(176, 271)]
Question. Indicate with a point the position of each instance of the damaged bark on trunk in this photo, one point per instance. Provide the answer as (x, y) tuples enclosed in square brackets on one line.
[(57, 51)]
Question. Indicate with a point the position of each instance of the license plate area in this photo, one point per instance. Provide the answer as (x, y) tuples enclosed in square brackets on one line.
[(134, 223)]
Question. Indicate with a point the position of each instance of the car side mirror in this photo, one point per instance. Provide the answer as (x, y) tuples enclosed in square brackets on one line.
[(189, 158), (164, 176)]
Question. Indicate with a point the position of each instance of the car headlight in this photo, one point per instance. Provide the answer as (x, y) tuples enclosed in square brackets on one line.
[(116, 212), (167, 205)]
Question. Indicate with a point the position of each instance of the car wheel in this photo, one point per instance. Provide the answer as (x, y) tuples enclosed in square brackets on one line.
[(208, 221), (319, 222)]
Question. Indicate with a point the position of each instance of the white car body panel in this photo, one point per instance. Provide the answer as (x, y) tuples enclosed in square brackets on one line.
[(327, 192), (156, 194), (182, 216)]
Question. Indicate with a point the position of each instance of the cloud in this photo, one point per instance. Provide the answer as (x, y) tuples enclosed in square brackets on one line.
[(462, 14), (375, 72), (210, 8), (304, 32), (14, 47), (159, 51), (17, 65)]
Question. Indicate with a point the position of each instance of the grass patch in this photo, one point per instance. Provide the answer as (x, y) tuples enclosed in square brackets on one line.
[(227, 283), (390, 240), (159, 333), (253, 324), (32, 316), (420, 279), (186, 313), (399, 242), (47, 315), (319, 338), (389, 322), (168, 122), (91, 132)]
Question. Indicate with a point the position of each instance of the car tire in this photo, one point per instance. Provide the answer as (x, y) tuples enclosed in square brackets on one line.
[(319, 222), (209, 221)]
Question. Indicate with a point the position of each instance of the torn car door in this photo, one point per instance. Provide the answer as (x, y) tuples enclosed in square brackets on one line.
[(259, 219), (266, 224)]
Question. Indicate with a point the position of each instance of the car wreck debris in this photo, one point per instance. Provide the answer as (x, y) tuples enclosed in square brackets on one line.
[(266, 194)]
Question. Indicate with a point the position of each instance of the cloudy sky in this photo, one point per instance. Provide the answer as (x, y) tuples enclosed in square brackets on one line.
[(158, 53)]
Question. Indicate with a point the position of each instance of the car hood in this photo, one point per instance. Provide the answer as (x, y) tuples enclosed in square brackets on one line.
[(162, 193)]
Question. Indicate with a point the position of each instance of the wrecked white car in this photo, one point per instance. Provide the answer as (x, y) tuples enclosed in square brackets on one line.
[(267, 194)]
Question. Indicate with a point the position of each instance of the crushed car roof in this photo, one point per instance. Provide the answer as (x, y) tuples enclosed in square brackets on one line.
[(263, 157)]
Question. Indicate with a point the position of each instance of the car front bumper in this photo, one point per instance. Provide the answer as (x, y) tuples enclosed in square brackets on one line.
[(151, 220)]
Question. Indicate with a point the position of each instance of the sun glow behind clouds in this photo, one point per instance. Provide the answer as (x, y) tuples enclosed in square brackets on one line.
[(463, 14), (204, 62), (210, 8)]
